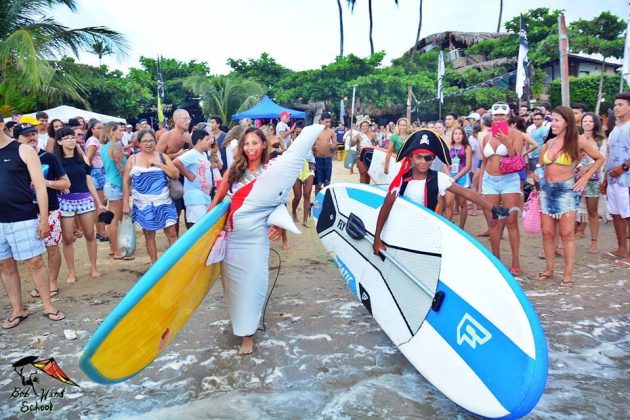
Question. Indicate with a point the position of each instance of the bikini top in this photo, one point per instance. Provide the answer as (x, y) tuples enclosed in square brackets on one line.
[(560, 159), (489, 151)]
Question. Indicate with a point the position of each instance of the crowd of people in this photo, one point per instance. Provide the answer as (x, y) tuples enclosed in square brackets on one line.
[(87, 175)]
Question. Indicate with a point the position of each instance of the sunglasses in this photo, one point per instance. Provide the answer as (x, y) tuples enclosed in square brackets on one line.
[(426, 158)]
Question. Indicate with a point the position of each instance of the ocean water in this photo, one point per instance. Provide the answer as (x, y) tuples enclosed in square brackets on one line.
[(322, 356)]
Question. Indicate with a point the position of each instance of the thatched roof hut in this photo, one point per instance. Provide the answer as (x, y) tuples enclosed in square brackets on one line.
[(450, 40)]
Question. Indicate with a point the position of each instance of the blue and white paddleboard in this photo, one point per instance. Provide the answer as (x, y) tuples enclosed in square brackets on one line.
[(448, 304)]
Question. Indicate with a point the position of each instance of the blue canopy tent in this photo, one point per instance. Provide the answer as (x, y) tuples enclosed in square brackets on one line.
[(267, 108)]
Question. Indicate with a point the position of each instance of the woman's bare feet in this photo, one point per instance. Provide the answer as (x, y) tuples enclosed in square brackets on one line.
[(72, 278), (95, 274), (593, 248), (247, 346)]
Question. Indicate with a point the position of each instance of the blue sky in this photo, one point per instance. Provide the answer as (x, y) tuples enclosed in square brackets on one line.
[(299, 34)]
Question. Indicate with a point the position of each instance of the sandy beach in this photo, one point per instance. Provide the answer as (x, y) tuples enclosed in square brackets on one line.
[(322, 355)]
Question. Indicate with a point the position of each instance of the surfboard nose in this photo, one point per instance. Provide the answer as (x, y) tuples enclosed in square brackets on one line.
[(327, 213)]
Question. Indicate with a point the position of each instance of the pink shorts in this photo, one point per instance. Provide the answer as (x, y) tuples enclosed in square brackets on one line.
[(54, 221)]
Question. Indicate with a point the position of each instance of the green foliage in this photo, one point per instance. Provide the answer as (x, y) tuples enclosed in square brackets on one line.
[(30, 41), (601, 35), (584, 90), (224, 95), (264, 70)]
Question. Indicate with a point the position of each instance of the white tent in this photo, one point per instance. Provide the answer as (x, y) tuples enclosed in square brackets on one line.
[(65, 112)]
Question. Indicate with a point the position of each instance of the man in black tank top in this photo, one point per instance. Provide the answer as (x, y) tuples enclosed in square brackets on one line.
[(21, 232)]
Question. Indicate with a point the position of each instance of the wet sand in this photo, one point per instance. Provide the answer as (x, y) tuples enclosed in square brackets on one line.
[(322, 355)]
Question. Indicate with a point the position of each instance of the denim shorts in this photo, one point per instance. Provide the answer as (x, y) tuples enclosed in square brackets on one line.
[(558, 198), (112, 192), (323, 169), (98, 177), (463, 181), (18, 240), (500, 184)]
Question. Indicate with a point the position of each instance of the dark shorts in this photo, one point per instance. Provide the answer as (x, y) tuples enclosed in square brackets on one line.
[(323, 170)]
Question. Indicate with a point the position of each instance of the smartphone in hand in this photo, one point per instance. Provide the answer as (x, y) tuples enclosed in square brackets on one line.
[(500, 126)]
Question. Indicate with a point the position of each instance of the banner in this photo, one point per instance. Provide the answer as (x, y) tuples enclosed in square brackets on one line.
[(625, 71), (160, 92), (523, 70), (441, 72)]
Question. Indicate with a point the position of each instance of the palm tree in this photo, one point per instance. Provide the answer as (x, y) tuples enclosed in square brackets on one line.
[(100, 49), (417, 34), (352, 3), (224, 95), (340, 29), (500, 15), (31, 41)]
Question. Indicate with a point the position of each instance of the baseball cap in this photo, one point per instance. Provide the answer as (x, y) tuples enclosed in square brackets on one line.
[(474, 116), (29, 119), (500, 109), (143, 121), (285, 113), (129, 126), (73, 122), (22, 129)]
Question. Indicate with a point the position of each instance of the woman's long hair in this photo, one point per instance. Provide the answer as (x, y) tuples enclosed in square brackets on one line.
[(397, 129), (570, 145), (598, 133), (61, 133), (90, 127), (241, 162), (108, 132), (235, 132), (51, 128), (518, 122), (465, 141)]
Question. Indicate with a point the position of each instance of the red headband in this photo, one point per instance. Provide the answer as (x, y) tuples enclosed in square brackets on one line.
[(425, 151)]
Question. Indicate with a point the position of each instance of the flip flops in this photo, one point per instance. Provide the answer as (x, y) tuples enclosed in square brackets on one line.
[(621, 263), (35, 293), (542, 276), (13, 322), (516, 271), (566, 283), (611, 256), (54, 316)]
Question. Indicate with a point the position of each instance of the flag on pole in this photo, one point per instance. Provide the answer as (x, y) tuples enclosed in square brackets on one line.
[(160, 92), (342, 112), (523, 71), (441, 72), (625, 71)]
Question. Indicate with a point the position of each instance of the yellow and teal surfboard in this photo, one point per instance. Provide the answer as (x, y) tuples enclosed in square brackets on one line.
[(157, 307)]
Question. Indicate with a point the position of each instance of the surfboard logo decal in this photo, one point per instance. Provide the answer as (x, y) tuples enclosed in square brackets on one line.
[(470, 331), (347, 275), (365, 299)]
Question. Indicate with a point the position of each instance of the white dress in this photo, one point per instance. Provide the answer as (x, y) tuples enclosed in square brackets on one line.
[(245, 269)]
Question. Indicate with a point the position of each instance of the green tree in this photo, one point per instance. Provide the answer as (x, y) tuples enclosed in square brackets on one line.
[(582, 89), (100, 49), (264, 70), (600, 35), (352, 3), (30, 41), (224, 95), (340, 28)]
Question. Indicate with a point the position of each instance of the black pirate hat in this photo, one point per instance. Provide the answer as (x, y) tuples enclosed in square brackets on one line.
[(428, 140)]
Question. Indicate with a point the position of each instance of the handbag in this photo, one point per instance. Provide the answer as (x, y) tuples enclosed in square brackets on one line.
[(511, 164), (175, 186), (531, 214)]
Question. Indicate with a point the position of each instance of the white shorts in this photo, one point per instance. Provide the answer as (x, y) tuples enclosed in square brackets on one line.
[(195, 213), (618, 200), (18, 240)]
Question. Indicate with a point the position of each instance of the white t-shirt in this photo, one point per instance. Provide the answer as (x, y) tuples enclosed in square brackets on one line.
[(476, 152), (347, 139), (415, 188), (280, 127), (229, 152), (42, 139), (197, 192)]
